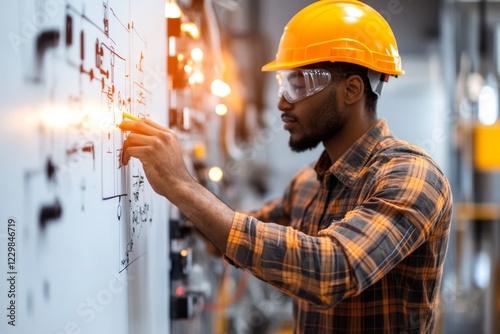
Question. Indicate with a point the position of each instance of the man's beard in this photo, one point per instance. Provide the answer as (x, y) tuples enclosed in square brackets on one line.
[(326, 122), (303, 144)]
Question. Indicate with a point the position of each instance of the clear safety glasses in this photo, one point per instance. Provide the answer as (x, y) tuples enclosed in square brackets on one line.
[(297, 84)]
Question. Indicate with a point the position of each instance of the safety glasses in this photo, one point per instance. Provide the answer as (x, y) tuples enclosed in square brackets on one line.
[(297, 84)]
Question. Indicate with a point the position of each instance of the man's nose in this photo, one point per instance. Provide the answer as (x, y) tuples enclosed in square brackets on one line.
[(283, 104)]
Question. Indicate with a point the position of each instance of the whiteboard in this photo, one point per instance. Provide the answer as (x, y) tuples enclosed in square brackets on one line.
[(83, 239)]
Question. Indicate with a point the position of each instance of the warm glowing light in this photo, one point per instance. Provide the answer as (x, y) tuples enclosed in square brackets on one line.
[(180, 57), (184, 253), (221, 109), (215, 174), (94, 119), (196, 78), (106, 122), (90, 117), (188, 68), (172, 10), (191, 29), (200, 150), (61, 118), (197, 54), (220, 88)]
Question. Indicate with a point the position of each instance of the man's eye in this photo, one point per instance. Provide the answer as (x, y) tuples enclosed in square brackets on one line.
[(297, 87)]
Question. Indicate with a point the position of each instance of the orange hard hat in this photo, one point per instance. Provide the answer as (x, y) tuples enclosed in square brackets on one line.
[(338, 30)]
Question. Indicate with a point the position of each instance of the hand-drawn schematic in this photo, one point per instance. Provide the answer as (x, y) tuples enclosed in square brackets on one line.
[(84, 220), (116, 69)]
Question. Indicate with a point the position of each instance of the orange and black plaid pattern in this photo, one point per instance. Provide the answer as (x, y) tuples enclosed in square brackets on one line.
[(359, 244)]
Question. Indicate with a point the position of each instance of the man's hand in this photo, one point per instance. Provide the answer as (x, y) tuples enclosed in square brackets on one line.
[(160, 152)]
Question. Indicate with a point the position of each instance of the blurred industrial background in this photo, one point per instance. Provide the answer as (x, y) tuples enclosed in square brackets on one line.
[(98, 252)]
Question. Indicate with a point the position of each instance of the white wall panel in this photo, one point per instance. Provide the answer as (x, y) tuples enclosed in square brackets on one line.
[(90, 235)]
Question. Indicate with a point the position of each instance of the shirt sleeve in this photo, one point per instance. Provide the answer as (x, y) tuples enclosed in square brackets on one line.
[(279, 210), (276, 210), (400, 212)]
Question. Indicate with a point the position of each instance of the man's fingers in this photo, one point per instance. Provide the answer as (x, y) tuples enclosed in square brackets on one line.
[(133, 140), (143, 133), (145, 126), (137, 127), (155, 125), (137, 139), (134, 151)]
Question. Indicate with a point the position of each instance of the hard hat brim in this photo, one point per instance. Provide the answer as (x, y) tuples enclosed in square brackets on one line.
[(276, 66)]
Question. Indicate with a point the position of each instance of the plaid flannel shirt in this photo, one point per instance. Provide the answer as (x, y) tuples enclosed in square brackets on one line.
[(359, 244)]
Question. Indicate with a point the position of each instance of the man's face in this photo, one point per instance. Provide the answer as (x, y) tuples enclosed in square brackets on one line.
[(312, 120)]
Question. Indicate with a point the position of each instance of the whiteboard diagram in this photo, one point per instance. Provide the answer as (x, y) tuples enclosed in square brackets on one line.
[(83, 219)]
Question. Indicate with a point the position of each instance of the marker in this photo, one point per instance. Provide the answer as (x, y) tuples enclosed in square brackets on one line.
[(126, 115), (129, 116)]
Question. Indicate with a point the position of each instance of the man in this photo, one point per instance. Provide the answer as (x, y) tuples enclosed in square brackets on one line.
[(358, 239)]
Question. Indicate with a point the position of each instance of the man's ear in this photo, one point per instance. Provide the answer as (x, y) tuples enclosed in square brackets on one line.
[(354, 89)]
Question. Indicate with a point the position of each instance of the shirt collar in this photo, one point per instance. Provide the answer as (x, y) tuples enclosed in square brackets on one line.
[(349, 165)]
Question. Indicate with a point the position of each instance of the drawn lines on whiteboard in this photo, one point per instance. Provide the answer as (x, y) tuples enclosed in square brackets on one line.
[(73, 153), (119, 90), (140, 214), (106, 54)]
